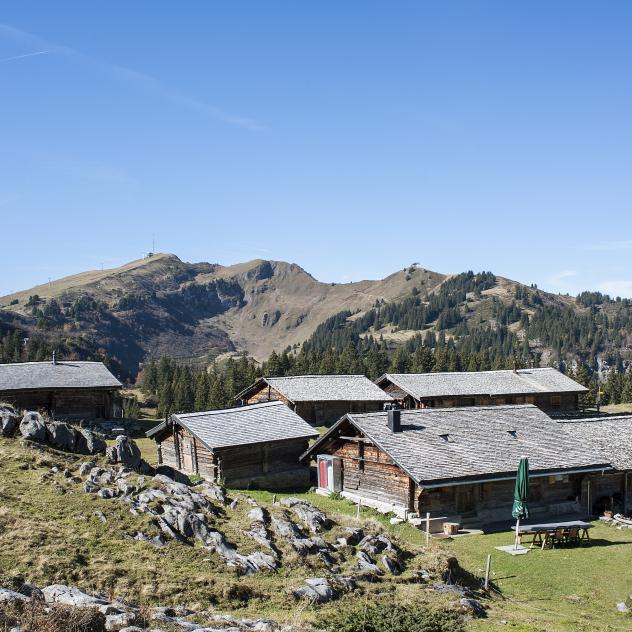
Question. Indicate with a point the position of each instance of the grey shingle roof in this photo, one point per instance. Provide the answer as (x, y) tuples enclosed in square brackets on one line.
[(259, 423), (506, 382), (46, 375), (482, 442), (610, 436), (324, 388)]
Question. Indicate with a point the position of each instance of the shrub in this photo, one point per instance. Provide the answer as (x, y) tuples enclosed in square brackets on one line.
[(391, 617)]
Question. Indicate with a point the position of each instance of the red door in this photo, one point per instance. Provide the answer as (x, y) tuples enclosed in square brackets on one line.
[(322, 474)]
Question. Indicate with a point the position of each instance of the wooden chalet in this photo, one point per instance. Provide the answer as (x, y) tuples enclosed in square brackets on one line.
[(611, 437), (456, 463), (250, 446), (546, 388), (318, 399), (85, 390)]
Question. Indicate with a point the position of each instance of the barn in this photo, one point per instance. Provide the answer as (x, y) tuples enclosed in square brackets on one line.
[(455, 463), (318, 399), (612, 438), (254, 446), (547, 388), (70, 389)]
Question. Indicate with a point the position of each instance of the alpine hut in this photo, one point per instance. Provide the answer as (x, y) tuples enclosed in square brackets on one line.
[(318, 399), (547, 388), (457, 464), (250, 446), (69, 389)]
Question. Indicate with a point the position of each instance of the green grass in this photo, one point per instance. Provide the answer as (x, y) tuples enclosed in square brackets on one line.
[(617, 408), (568, 588), (49, 534)]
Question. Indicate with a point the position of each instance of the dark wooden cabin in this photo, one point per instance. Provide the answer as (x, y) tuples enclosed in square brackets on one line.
[(546, 388), (318, 399), (612, 438), (251, 446), (455, 463), (85, 390)]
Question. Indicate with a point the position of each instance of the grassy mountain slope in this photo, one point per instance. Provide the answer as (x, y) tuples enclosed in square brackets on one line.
[(162, 306)]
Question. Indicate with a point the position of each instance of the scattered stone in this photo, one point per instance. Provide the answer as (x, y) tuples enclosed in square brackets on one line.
[(86, 467), (316, 590), (101, 516), (116, 622), (390, 565), (314, 518), (32, 427), (11, 596), (125, 451), (473, 606), (8, 421), (61, 435), (89, 443), (621, 607), (365, 563), (245, 564), (90, 487), (70, 596), (31, 591)]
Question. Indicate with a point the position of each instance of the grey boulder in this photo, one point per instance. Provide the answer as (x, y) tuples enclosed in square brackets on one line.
[(10, 596), (32, 427), (61, 435), (70, 596), (126, 452), (89, 443), (8, 421)]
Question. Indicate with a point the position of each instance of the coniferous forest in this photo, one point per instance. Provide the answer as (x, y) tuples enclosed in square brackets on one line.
[(448, 329)]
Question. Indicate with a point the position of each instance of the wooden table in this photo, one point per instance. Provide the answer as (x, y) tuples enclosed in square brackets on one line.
[(542, 532)]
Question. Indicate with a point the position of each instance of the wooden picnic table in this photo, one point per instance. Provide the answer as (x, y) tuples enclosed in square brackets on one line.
[(544, 533)]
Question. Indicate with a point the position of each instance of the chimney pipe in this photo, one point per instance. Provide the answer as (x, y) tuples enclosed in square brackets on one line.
[(54, 358), (395, 420)]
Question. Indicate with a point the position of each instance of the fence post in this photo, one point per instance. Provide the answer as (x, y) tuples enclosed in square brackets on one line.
[(427, 529), (489, 563)]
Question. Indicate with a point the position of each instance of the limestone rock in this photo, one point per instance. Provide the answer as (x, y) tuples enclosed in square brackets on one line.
[(32, 427), (126, 452), (70, 596), (316, 590), (10, 596), (89, 443), (8, 421), (61, 435)]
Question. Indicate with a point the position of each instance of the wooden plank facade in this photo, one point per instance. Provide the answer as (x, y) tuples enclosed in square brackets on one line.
[(84, 403), (368, 474)]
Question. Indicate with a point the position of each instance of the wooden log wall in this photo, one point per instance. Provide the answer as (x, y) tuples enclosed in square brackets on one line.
[(80, 403), (369, 472), (269, 465)]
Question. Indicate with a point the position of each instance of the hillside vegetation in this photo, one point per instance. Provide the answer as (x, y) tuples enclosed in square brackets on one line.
[(414, 320)]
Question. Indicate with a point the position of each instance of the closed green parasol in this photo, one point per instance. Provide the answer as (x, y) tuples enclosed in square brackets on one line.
[(520, 510)]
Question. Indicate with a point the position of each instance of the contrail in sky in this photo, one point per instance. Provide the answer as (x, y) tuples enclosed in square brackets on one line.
[(39, 52)]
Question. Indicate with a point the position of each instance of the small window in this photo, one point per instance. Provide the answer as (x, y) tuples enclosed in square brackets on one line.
[(556, 401), (513, 433)]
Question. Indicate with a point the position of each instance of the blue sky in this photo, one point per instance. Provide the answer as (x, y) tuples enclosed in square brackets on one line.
[(351, 138)]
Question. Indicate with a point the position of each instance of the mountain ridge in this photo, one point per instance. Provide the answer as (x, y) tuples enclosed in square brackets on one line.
[(162, 306)]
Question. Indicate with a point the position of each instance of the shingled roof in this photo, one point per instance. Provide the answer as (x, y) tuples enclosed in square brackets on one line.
[(61, 375), (610, 436), (442, 446), (505, 382), (259, 423), (322, 388)]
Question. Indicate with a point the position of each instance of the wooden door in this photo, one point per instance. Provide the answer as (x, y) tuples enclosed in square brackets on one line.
[(187, 455), (323, 471)]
